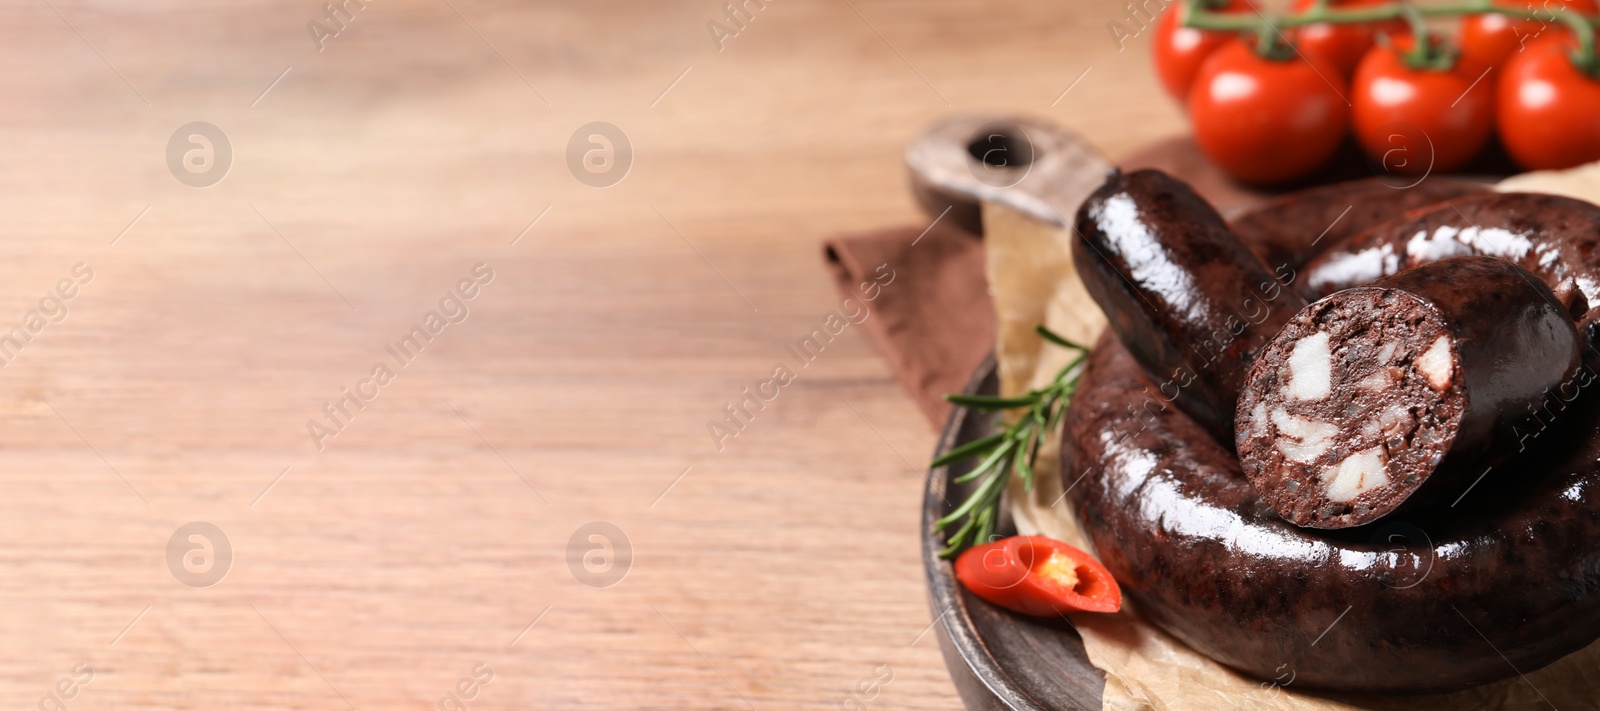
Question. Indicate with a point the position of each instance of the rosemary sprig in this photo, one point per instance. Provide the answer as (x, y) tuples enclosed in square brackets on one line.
[(1013, 450)]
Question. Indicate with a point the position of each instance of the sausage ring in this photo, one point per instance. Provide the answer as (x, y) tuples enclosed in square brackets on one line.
[(1507, 580)]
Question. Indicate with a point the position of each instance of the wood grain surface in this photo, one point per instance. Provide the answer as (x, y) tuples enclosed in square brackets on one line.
[(776, 569)]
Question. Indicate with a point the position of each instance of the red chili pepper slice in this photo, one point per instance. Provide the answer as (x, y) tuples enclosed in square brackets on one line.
[(1036, 575)]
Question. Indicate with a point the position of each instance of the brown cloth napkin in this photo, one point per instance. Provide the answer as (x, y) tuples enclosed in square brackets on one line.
[(932, 322)]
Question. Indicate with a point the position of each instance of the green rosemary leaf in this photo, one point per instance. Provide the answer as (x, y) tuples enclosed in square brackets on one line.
[(989, 402), (966, 450), (1055, 417), (1025, 467), (986, 524), (994, 458), (972, 502), (957, 540), (1069, 372), (1057, 338), (1011, 452)]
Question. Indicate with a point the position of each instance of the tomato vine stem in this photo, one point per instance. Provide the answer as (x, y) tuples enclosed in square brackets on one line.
[(1199, 14)]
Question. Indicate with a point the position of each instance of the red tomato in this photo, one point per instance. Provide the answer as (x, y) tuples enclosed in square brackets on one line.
[(1036, 575), (1179, 50), (1341, 45), (1549, 112), (1265, 121), (1453, 110), (1488, 40)]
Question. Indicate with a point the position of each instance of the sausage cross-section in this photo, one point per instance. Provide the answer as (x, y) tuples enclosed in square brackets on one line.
[(1402, 392)]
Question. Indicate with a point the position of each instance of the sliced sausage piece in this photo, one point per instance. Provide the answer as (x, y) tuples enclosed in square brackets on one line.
[(1291, 229), (1396, 394), (1188, 299)]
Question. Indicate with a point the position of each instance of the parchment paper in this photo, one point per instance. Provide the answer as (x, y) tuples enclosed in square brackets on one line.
[(1032, 280)]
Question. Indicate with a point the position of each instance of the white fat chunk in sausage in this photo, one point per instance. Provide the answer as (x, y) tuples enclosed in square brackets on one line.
[(1303, 439), (1356, 475), (1310, 368), (1387, 352), (1436, 364), (1396, 420), (1256, 420), (1377, 382), (1370, 427)]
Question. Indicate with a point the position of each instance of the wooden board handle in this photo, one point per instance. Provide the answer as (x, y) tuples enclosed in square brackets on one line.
[(1032, 166)]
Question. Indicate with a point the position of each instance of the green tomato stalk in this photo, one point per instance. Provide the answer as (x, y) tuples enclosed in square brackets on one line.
[(1267, 28)]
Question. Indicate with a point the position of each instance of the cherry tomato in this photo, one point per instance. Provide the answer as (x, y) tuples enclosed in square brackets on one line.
[(1036, 575), (1488, 40), (1549, 111), (1180, 50), (1266, 121), (1451, 110), (1344, 44)]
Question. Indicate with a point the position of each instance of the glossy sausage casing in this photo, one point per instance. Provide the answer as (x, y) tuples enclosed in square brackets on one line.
[(1405, 391), (1421, 603), (1190, 300), (1555, 238), (1288, 230), (1405, 606)]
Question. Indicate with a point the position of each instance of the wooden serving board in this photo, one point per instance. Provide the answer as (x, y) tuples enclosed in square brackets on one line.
[(999, 660)]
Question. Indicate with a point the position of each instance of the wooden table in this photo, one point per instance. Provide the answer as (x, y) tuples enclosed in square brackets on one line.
[(418, 544)]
